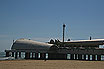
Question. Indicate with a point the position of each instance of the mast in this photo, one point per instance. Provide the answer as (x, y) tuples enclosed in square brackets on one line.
[(63, 33)]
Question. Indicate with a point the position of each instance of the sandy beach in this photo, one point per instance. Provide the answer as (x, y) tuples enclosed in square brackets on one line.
[(51, 64)]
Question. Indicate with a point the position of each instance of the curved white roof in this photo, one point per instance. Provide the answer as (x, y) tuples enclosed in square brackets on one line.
[(27, 44)]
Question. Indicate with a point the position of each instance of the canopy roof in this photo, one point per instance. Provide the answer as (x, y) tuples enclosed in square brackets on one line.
[(93, 42)]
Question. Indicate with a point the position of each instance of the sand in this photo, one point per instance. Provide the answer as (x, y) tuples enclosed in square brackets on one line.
[(51, 64)]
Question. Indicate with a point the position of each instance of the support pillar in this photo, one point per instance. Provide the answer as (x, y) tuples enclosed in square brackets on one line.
[(12, 54), (19, 54), (27, 55), (16, 54), (42, 55), (36, 55), (99, 57), (65, 56), (79, 56), (72, 56), (93, 57), (84, 57), (7, 54), (75, 56), (88, 57)]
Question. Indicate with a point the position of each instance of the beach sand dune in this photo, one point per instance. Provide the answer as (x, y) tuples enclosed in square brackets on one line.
[(51, 64)]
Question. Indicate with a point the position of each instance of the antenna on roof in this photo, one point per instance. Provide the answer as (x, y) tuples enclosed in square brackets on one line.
[(90, 38)]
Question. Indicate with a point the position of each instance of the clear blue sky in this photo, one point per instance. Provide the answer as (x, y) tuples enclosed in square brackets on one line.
[(42, 20)]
